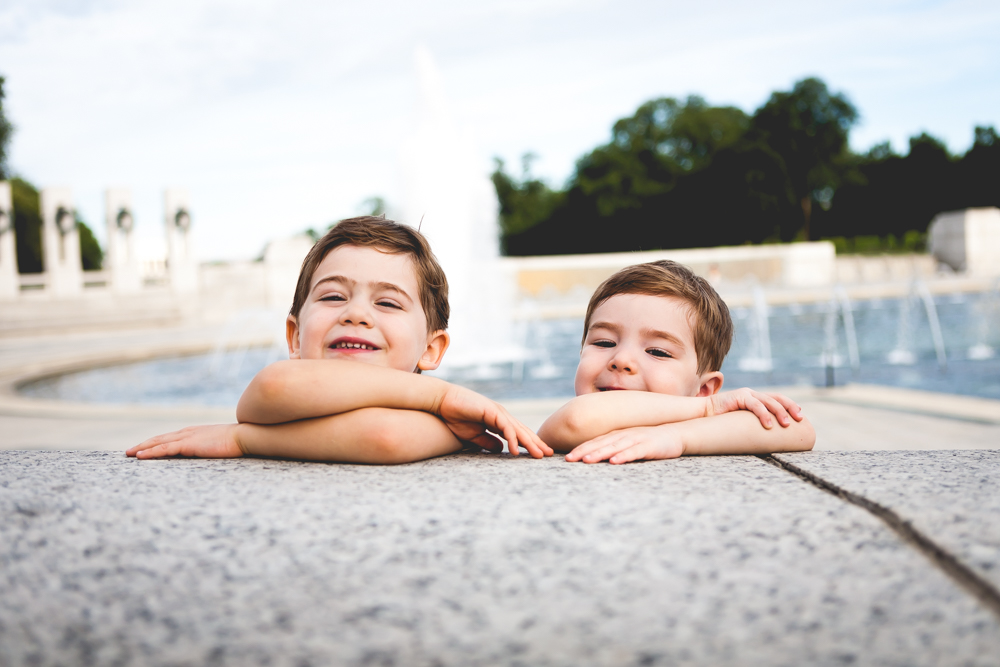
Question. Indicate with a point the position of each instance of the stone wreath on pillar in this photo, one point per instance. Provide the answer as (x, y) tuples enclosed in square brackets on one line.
[(65, 220), (182, 219), (124, 220), (6, 221)]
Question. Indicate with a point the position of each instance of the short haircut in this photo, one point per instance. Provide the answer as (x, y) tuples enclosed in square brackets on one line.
[(713, 326), (390, 237)]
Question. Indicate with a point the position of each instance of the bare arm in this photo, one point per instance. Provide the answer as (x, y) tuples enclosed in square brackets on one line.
[(592, 415), (370, 435), (732, 433), (306, 389)]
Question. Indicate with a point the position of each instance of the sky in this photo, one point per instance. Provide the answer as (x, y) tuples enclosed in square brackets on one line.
[(281, 116)]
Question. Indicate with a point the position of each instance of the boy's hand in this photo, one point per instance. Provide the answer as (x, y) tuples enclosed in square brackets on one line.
[(469, 414), (208, 442), (760, 403), (631, 444)]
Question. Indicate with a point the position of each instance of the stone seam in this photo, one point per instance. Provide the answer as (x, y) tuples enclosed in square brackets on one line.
[(960, 573)]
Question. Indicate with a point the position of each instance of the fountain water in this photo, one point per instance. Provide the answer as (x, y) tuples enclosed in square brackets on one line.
[(920, 287), (985, 312), (903, 353), (449, 190), (847, 314), (759, 358)]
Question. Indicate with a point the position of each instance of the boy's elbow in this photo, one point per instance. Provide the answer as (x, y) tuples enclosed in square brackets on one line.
[(263, 390), (390, 441), (565, 429), (806, 435)]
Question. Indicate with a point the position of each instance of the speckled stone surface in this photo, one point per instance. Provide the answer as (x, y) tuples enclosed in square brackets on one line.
[(464, 560), (951, 496)]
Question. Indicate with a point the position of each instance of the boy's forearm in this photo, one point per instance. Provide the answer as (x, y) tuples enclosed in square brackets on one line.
[(741, 433), (591, 415), (304, 389), (370, 435)]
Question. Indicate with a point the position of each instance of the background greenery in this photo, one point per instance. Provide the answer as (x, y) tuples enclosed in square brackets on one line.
[(682, 173), (27, 216)]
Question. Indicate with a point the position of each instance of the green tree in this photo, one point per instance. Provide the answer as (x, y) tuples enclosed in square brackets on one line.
[(525, 202), (28, 231), (91, 255), (808, 127), (27, 226), (6, 130), (649, 150)]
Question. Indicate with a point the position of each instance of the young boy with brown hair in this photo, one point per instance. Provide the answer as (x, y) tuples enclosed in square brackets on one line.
[(370, 313), (647, 386)]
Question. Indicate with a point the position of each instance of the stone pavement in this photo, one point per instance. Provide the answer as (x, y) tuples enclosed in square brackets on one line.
[(475, 559)]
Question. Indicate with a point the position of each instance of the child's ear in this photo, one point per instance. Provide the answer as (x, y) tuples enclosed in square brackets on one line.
[(437, 343), (292, 337), (711, 383)]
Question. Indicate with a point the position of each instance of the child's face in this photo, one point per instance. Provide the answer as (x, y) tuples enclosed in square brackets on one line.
[(364, 305), (643, 343)]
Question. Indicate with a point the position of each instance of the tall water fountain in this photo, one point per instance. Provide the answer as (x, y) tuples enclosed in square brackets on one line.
[(903, 354), (758, 358), (447, 191)]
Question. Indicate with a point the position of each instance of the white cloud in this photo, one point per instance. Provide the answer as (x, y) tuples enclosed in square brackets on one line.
[(278, 116)]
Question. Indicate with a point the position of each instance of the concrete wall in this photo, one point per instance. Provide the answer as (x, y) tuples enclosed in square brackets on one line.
[(967, 240), (793, 265)]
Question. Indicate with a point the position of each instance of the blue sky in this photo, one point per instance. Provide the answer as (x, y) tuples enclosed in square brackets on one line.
[(278, 116)]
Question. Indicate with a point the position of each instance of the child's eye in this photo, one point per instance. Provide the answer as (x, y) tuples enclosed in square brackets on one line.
[(657, 352), (604, 343), (388, 304), (332, 297)]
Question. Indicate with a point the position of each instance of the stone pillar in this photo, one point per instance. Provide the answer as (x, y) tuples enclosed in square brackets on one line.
[(121, 261), (10, 285), (967, 240), (61, 243), (181, 266)]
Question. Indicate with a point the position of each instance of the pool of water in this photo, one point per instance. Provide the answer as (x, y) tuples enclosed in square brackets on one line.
[(804, 339)]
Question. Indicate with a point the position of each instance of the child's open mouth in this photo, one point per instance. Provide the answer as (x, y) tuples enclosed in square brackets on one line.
[(353, 344), (611, 389)]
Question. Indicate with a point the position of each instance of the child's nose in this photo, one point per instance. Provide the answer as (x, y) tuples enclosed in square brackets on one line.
[(356, 313), (622, 361)]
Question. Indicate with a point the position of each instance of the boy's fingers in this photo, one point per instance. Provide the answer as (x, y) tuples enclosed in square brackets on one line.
[(759, 409), (794, 409), (608, 450), (634, 453), (778, 409), (585, 448)]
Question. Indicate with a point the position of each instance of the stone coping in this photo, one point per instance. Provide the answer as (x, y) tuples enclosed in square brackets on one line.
[(475, 559)]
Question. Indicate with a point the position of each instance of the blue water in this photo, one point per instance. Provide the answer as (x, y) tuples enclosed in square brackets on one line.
[(797, 333)]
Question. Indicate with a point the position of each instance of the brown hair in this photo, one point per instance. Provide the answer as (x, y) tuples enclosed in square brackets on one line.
[(713, 326), (391, 237)]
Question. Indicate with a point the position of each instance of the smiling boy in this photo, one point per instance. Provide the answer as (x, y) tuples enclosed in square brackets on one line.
[(370, 313), (648, 382)]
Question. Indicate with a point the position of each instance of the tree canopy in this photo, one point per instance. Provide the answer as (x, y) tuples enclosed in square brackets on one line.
[(684, 173), (6, 130)]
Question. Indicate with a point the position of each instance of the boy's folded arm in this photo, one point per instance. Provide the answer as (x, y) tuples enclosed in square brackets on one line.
[(742, 433), (290, 391), (731, 433), (368, 435), (306, 388), (591, 415)]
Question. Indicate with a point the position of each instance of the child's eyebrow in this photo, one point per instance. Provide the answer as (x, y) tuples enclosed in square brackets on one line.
[(610, 326), (656, 333), (379, 285)]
